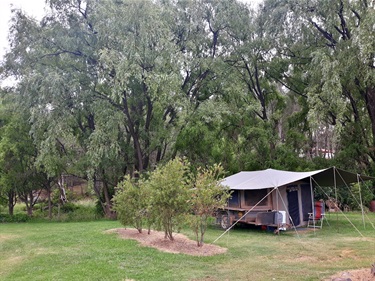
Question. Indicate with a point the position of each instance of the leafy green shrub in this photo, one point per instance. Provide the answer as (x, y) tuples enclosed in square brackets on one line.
[(99, 211), (68, 207), (14, 218), (5, 218), (169, 187), (82, 214), (207, 196), (358, 193), (131, 202), (162, 199), (83, 210)]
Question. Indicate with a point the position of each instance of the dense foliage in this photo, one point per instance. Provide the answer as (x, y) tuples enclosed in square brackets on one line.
[(113, 88)]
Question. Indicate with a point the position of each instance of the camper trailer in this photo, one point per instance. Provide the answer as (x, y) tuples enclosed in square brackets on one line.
[(276, 198)]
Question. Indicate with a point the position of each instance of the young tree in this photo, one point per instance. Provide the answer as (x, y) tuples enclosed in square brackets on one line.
[(207, 196), (131, 202), (169, 187)]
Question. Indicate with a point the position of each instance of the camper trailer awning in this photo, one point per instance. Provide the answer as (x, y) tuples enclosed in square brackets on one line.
[(271, 178)]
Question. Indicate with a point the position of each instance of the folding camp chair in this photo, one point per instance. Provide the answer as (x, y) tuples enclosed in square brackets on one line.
[(317, 217)]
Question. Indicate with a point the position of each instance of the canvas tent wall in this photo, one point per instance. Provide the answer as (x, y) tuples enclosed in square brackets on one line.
[(292, 192), (295, 200)]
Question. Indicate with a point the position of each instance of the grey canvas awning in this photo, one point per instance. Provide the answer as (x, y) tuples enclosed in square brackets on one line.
[(271, 178)]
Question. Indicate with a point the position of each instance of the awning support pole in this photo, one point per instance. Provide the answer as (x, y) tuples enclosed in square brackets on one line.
[(361, 203), (336, 197), (312, 203)]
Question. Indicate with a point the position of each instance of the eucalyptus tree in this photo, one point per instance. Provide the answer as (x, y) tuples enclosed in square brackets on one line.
[(327, 50), (199, 29)]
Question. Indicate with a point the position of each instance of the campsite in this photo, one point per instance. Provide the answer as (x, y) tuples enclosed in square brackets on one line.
[(91, 248), (187, 140), (62, 251)]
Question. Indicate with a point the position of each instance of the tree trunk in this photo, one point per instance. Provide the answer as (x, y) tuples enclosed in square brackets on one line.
[(107, 209), (61, 185), (29, 210), (197, 236), (146, 159), (203, 228), (131, 127), (370, 105), (11, 202), (98, 193), (29, 203), (49, 203)]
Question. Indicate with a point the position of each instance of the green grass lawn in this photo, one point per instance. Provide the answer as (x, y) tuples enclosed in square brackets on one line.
[(82, 251)]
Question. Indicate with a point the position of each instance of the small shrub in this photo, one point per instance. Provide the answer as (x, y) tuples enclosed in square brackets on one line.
[(207, 196), (169, 187), (68, 207), (131, 202), (15, 218), (82, 214), (99, 209)]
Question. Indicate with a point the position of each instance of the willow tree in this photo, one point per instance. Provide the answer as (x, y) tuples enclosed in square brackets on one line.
[(200, 31), (99, 78), (327, 55), (207, 32), (19, 177)]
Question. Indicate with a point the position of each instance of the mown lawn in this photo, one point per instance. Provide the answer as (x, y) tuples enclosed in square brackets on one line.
[(82, 251)]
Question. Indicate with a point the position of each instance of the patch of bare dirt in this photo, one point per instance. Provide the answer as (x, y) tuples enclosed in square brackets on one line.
[(180, 245), (363, 274), (4, 237)]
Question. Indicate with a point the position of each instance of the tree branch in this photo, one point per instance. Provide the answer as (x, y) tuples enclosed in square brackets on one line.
[(325, 34)]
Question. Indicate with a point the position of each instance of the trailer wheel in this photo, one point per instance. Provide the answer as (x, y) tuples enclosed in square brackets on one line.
[(225, 223)]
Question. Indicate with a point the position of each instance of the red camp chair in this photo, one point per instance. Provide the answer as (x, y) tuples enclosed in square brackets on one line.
[(316, 218)]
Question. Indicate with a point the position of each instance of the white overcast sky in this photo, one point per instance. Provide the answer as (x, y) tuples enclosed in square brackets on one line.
[(34, 8)]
